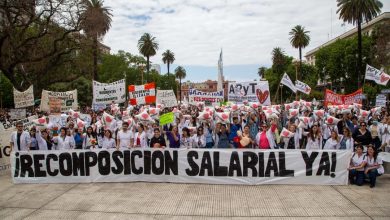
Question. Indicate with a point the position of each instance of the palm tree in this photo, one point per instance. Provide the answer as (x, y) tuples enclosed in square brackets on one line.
[(148, 47), (355, 12), (180, 73), (96, 21), (299, 39), (278, 60), (168, 58), (261, 72)]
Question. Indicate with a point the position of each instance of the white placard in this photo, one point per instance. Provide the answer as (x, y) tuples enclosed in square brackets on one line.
[(68, 100), (106, 93), (166, 98), (210, 166), (251, 91), (209, 98), (24, 99)]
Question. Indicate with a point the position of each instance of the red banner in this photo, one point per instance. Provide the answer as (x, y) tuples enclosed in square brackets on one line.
[(332, 98)]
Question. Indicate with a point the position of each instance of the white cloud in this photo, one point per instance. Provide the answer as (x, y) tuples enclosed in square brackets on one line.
[(247, 30)]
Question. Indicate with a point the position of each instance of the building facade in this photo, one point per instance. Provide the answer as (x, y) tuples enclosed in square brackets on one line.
[(206, 86), (367, 29)]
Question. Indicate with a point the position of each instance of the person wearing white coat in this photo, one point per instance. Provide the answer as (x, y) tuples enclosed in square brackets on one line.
[(346, 140), (108, 142), (292, 142), (20, 140), (314, 138), (140, 138), (64, 141), (333, 142)]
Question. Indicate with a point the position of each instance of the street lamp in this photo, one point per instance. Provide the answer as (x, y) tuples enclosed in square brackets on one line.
[(281, 93)]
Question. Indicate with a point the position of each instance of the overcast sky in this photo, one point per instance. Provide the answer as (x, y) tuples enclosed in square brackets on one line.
[(246, 30)]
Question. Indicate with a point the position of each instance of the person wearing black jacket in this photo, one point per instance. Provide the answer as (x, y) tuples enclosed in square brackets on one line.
[(157, 140), (362, 135)]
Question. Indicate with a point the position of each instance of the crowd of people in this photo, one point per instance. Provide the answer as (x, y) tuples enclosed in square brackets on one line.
[(302, 126)]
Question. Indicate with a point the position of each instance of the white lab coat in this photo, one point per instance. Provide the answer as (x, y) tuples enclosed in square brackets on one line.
[(25, 141)]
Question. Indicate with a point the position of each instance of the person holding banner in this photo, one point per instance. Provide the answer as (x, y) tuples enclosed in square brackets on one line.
[(385, 134), (140, 139), (362, 135), (90, 139), (223, 137), (124, 137), (42, 139), (173, 136), (108, 142), (34, 142), (20, 140), (374, 166), (265, 139), (157, 140), (65, 140), (346, 140), (356, 167), (314, 139), (291, 142), (185, 139), (333, 142), (199, 140)]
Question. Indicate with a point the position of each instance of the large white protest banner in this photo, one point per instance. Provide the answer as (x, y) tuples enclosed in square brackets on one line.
[(5, 138), (24, 99), (166, 98), (376, 75), (287, 82), (302, 87), (209, 98), (105, 93), (251, 91), (210, 166), (17, 113), (68, 100)]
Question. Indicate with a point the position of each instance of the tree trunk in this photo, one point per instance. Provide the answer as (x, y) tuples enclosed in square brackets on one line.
[(300, 63), (359, 66), (95, 54), (147, 68), (180, 91), (168, 69)]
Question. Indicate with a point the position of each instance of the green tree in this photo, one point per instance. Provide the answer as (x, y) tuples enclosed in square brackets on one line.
[(299, 39), (261, 72), (180, 73), (168, 57), (96, 22), (6, 92), (355, 12), (337, 63), (279, 61), (147, 46)]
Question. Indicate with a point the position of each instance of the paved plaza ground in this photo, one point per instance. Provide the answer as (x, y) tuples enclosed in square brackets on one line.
[(192, 201)]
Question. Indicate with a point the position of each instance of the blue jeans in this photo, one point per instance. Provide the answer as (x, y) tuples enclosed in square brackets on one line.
[(372, 174), (210, 145), (356, 177)]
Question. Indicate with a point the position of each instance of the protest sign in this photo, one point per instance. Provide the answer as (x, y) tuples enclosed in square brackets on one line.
[(210, 166), (209, 98), (167, 98), (68, 100), (142, 94), (24, 99), (332, 98), (17, 114), (250, 91), (381, 100), (376, 75), (167, 118), (105, 93), (5, 137)]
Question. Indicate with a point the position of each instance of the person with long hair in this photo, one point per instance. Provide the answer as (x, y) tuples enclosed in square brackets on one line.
[(34, 142), (374, 166), (314, 139), (246, 139), (292, 142), (173, 137), (357, 165), (108, 142), (199, 140), (333, 142), (140, 137), (265, 139), (362, 135), (185, 139), (43, 139), (346, 140), (90, 138), (64, 141)]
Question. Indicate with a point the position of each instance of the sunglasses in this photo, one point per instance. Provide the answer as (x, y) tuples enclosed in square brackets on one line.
[(363, 125)]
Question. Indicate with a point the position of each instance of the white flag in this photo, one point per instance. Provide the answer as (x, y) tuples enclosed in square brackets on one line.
[(302, 87), (287, 82), (376, 75)]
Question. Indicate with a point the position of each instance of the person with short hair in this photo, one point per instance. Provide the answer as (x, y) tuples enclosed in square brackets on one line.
[(20, 140), (157, 140), (357, 165), (362, 135), (124, 137)]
